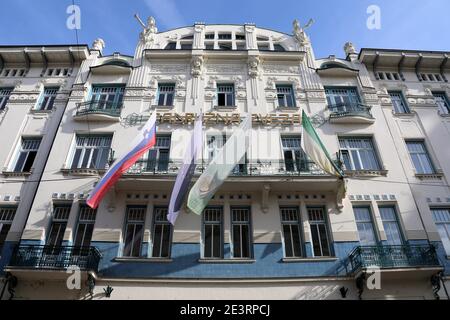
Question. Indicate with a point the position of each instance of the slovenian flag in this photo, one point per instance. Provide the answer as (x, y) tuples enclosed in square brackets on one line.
[(144, 141), (186, 172)]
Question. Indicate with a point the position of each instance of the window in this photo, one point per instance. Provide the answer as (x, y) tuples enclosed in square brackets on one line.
[(165, 94), (186, 46), (6, 218), (162, 233), (225, 95), (134, 231), (209, 46), (209, 36), (225, 36), (278, 47), (295, 159), (358, 154), (442, 102), (27, 153), (60, 217), (263, 47), (4, 97), (420, 157), (107, 97), (436, 77), (390, 225), (213, 232), (399, 102), (91, 152), (47, 99), (342, 99), (241, 232), (241, 46), (285, 96), (292, 239), (171, 46), (158, 157), (441, 217), (319, 232), (364, 223), (240, 36), (86, 221), (225, 46)]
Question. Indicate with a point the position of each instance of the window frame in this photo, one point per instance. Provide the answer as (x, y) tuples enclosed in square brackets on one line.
[(97, 91), (227, 95), (47, 99), (298, 165), (153, 233), (165, 94), (6, 219), (347, 150), (401, 97), (425, 152), (134, 222), (397, 221), (154, 163), (371, 221), (328, 231), (444, 104), (285, 96), (250, 231), (5, 94), (85, 222), (446, 223), (20, 150), (61, 221), (222, 231), (299, 224), (75, 147)]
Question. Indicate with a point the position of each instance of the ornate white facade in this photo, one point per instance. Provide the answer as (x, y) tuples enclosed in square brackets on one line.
[(302, 240)]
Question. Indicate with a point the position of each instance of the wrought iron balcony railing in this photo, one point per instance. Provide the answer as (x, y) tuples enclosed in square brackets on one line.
[(55, 257), (392, 257), (99, 107), (350, 110), (258, 168)]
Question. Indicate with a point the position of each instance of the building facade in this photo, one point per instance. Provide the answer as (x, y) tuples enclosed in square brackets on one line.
[(279, 227)]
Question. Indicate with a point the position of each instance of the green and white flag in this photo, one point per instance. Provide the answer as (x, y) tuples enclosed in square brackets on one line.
[(315, 149), (220, 167)]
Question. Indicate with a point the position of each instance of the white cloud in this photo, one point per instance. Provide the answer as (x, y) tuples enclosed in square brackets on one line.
[(166, 13)]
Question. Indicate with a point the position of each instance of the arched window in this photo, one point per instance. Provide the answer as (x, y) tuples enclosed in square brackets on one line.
[(171, 46)]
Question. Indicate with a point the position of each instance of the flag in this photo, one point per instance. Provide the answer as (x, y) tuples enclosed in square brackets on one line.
[(218, 170), (315, 149), (186, 172), (144, 141)]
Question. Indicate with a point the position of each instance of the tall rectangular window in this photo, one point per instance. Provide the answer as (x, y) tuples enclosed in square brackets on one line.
[(391, 225), (241, 232), (292, 239), (107, 97), (27, 153), (7, 215), (285, 96), (213, 232), (319, 232), (4, 97), (91, 151), (60, 217), (441, 217), (85, 227), (166, 93), (358, 153), (158, 157), (134, 231), (342, 99), (295, 158), (214, 143), (420, 158), (364, 223), (399, 102), (47, 99), (442, 101), (225, 95), (162, 233)]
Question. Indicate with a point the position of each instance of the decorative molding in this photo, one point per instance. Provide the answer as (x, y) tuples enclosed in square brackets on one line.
[(280, 69), (224, 68), (168, 68)]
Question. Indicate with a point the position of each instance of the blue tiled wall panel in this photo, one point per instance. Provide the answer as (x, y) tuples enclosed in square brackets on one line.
[(268, 263)]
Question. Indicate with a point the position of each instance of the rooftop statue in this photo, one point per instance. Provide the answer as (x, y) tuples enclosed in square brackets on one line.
[(299, 31)]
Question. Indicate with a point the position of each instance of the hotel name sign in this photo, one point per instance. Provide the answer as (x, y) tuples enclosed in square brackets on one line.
[(211, 118)]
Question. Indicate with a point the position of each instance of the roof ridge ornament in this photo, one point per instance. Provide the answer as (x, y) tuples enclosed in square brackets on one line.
[(299, 31)]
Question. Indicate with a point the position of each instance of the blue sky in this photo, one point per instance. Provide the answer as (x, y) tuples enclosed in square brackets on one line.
[(408, 24)]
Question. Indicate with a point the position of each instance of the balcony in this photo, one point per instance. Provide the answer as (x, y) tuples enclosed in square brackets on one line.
[(44, 257), (350, 113), (393, 258), (280, 174), (98, 111)]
